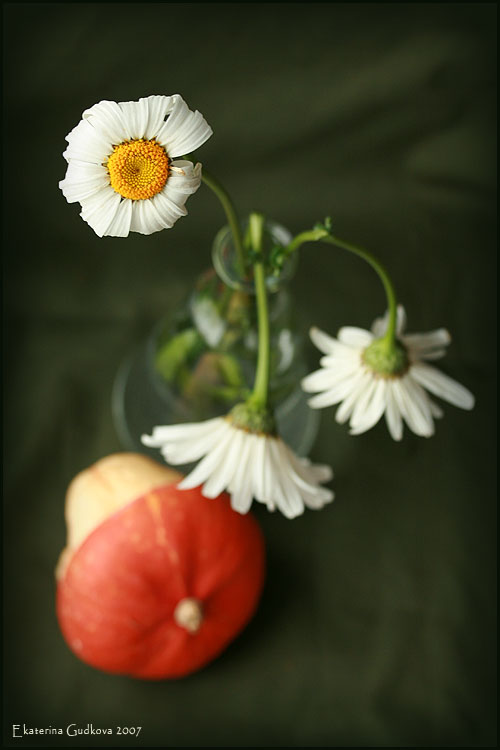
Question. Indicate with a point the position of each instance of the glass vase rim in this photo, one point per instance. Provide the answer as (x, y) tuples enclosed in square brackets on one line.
[(230, 276)]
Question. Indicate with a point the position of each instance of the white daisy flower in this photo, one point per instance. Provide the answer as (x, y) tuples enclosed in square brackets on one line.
[(246, 464), (365, 393), (123, 167)]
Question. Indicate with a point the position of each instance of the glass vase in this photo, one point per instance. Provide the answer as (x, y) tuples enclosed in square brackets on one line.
[(200, 361)]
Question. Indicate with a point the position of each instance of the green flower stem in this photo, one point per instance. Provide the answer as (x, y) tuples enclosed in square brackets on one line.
[(231, 215), (390, 334), (311, 235), (314, 235), (260, 391)]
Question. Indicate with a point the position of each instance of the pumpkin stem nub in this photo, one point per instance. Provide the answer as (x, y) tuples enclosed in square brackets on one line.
[(189, 614)]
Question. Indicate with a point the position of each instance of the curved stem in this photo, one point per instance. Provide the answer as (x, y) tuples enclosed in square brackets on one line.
[(321, 233), (390, 293), (231, 215)]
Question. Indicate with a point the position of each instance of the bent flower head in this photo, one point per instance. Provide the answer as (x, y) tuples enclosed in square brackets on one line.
[(246, 464), (366, 393), (123, 167)]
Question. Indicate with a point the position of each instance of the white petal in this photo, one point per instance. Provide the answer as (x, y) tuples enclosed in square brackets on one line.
[(289, 503), (106, 117), (359, 411), (99, 210), (443, 386), (168, 209), (373, 410), (312, 473), (318, 380), (221, 479), (241, 499), (318, 499), (341, 390), (158, 109), (187, 450), (393, 414), (430, 354), (135, 118), (169, 204), (84, 170), (412, 414), (184, 130), (267, 476), (120, 226), (356, 337), (188, 181), (329, 376), (186, 431), (77, 189), (360, 383), (436, 410), (379, 326), (87, 144), (420, 400), (345, 357), (191, 136), (400, 320), (208, 466), (316, 472), (327, 398), (81, 182), (309, 474), (290, 499), (312, 494), (146, 219), (323, 341), (423, 341), (258, 469), (240, 487)]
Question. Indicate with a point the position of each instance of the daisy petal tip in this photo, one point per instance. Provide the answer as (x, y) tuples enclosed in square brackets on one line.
[(469, 400), (358, 430), (311, 402), (328, 499), (340, 417), (326, 473), (316, 334), (397, 437), (305, 384), (186, 484)]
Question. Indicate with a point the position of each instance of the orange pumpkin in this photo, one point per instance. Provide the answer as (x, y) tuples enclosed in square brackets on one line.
[(158, 585)]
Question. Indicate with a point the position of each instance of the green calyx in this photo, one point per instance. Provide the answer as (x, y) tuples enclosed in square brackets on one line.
[(386, 358), (253, 418)]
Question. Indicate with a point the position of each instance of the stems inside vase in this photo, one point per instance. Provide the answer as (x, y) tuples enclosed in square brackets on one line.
[(260, 392)]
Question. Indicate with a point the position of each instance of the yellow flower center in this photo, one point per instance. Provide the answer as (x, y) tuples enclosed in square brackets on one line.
[(138, 169)]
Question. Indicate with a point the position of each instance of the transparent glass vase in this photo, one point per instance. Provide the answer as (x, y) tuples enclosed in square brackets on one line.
[(200, 361)]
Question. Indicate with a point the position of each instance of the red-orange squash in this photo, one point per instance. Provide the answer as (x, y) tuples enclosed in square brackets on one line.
[(158, 587)]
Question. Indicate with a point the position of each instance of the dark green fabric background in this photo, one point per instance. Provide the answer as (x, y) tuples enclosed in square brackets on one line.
[(377, 625)]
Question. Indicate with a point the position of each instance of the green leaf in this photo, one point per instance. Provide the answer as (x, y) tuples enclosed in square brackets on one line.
[(175, 352), (230, 370)]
